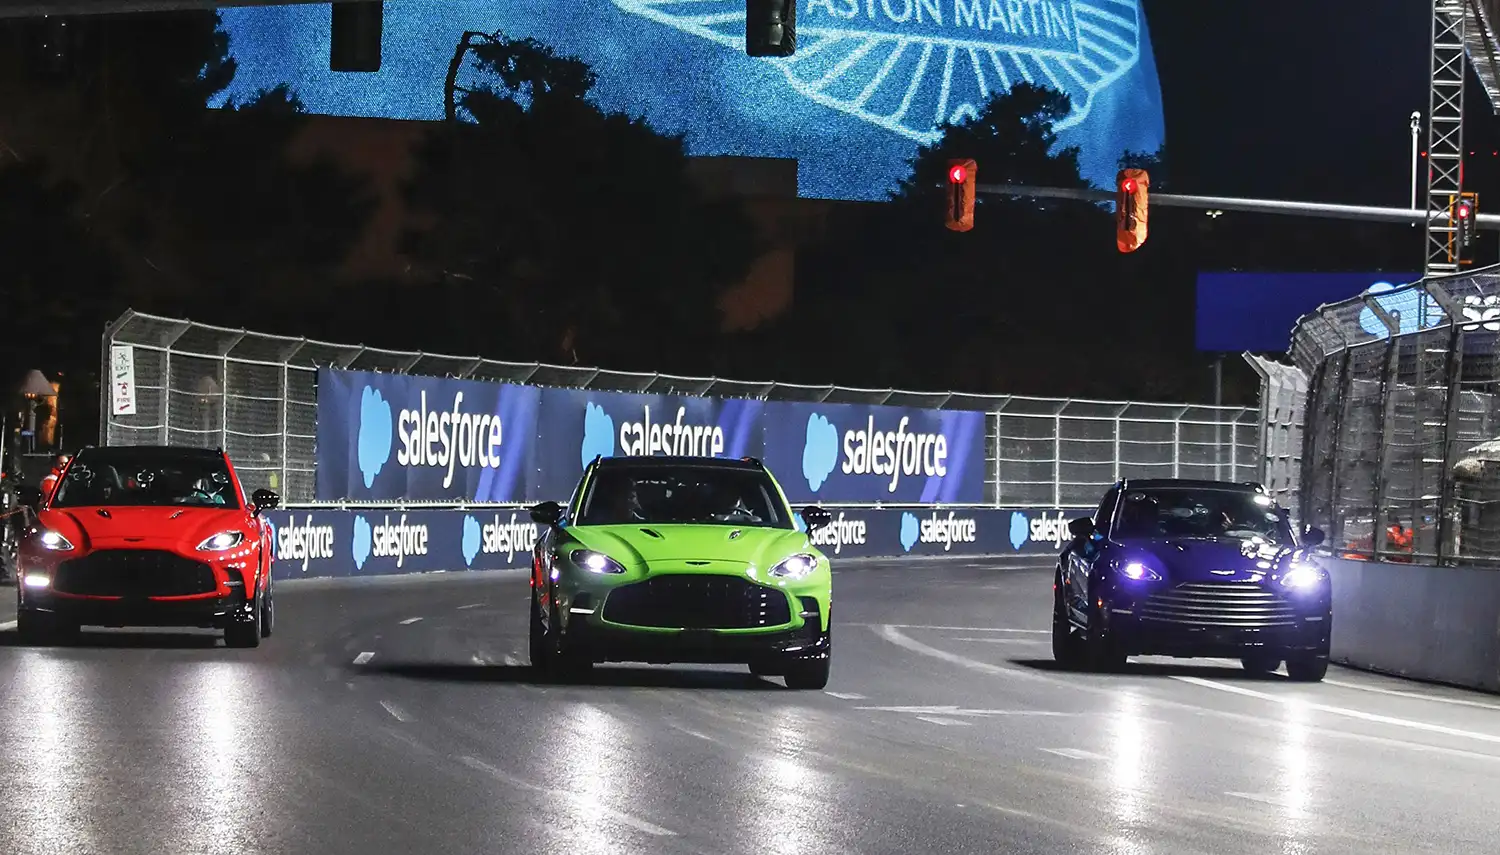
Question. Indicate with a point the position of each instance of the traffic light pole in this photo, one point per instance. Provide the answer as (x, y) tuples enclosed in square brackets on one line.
[(1250, 206)]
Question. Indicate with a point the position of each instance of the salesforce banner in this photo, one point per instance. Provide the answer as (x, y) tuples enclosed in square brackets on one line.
[(386, 437), (331, 542), (837, 453), (578, 425), (343, 543)]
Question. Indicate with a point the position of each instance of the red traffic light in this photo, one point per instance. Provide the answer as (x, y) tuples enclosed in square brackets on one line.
[(957, 174), (1463, 212), (1128, 185)]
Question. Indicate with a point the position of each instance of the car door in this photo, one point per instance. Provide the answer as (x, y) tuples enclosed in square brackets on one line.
[(1084, 553)]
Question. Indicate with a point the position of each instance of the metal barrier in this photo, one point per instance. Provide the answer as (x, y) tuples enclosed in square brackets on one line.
[(254, 395), (1283, 412), (1401, 454)]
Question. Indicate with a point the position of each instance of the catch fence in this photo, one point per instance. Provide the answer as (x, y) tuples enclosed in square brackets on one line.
[(255, 395), (1401, 447)]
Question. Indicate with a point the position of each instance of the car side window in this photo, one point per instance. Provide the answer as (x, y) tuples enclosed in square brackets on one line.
[(1105, 513)]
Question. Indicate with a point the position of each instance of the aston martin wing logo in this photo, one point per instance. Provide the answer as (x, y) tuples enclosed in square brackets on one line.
[(909, 65)]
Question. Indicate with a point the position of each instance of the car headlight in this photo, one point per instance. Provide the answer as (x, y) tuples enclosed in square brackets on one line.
[(595, 562), (55, 542), (37, 580), (795, 567), (1302, 577), (1135, 571), (222, 541)]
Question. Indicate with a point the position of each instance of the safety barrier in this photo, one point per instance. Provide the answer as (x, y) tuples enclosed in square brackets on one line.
[(1440, 624), (321, 542), (255, 395)]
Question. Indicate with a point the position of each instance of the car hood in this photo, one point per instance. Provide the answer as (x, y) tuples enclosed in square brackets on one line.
[(728, 548), (141, 527), (1222, 559)]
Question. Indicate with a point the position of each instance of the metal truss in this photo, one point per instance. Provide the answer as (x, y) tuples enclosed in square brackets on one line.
[(1445, 133)]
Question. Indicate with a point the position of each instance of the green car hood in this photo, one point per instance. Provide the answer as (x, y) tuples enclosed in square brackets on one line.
[(648, 544)]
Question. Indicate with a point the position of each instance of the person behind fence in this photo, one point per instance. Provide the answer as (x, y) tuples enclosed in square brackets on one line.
[(50, 480), (1399, 539)]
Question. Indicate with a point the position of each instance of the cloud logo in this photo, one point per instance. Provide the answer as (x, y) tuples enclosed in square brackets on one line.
[(374, 434), (821, 453), (1020, 530), (598, 433), (472, 539), (1412, 309), (360, 548), (908, 530)]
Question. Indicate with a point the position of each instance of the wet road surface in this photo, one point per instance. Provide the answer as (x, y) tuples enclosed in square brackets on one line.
[(944, 729)]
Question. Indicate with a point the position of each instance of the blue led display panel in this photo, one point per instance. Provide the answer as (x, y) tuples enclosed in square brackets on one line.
[(869, 82)]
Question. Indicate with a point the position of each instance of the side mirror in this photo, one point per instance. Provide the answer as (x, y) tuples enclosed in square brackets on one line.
[(265, 500), (547, 513), (30, 496), (1313, 536), (816, 517), (1081, 528)]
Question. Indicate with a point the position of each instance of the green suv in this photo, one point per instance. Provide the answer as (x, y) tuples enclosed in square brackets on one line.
[(680, 559)]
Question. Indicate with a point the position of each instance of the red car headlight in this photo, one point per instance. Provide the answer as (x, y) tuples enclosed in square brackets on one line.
[(222, 541), (53, 541)]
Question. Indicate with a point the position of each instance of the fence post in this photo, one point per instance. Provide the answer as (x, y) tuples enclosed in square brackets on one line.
[(1388, 383), (1453, 373), (1057, 459), (1177, 446), (224, 402), (1234, 449)]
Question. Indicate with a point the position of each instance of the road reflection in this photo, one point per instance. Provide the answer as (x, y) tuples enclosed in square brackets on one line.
[(47, 748), (1128, 773), (220, 730), (1295, 766), (594, 754)]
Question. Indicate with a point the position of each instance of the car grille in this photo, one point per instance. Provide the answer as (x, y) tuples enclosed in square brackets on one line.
[(697, 602), (134, 573), (1219, 604)]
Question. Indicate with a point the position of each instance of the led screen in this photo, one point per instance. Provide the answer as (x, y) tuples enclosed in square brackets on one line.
[(1258, 311), (868, 84)]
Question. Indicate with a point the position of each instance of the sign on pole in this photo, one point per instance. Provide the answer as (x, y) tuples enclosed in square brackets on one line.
[(122, 379)]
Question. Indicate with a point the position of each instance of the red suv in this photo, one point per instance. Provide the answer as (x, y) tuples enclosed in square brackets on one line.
[(147, 536)]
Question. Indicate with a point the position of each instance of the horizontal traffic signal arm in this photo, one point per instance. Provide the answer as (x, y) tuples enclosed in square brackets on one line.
[(1321, 210)]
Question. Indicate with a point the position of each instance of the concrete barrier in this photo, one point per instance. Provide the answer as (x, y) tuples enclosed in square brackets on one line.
[(1440, 624)]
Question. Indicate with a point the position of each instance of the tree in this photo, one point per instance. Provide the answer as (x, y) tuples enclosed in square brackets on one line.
[(557, 231)]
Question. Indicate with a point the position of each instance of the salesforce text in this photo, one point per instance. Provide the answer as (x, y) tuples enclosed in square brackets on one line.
[(645, 438), (399, 540), (1050, 528), (448, 439), (894, 453), (840, 532), (949, 531), (304, 543), (508, 537)]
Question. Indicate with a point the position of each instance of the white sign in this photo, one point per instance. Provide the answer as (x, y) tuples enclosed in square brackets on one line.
[(122, 379)]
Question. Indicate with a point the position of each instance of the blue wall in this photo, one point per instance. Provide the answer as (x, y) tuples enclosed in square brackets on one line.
[(328, 542), (866, 88)]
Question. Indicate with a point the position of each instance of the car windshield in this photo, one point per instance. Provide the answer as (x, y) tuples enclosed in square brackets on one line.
[(1202, 513), (683, 494), (121, 477)]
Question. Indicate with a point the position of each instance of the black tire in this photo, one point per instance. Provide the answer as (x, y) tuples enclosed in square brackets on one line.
[(1260, 664), (808, 674), (268, 611), (1066, 646), (34, 628), (550, 653), (1309, 668), (1101, 651), (245, 634)]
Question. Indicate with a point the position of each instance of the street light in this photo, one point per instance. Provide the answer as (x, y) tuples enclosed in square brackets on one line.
[(34, 387), (1416, 129)]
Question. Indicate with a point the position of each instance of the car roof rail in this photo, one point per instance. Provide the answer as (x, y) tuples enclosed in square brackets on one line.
[(754, 460)]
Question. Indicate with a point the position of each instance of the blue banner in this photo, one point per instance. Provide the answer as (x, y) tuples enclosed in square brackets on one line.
[(578, 425), (314, 543), (396, 436), (343, 543), (842, 453)]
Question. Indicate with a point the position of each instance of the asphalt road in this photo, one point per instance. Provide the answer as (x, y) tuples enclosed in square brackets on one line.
[(397, 717)]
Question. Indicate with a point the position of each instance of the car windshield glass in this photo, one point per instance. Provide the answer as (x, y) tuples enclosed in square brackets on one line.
[(1205, 513), (683, 494), (116, 478)]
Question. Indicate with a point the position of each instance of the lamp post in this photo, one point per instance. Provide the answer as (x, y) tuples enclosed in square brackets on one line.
[(35, 387), (1416, 130)]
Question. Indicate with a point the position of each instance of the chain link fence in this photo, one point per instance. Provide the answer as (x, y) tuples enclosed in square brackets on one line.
[(255, 396), (1401, 444)]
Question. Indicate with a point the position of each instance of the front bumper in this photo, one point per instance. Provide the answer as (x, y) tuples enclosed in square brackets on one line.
[(603, 642), (1218, 622), (208, 612)]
